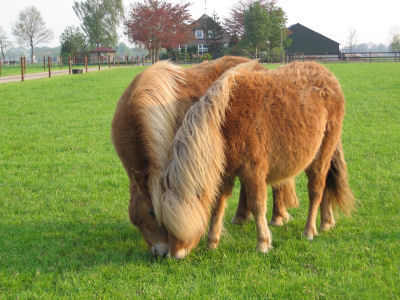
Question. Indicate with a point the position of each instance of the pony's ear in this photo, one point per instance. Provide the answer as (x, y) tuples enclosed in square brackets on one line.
[(139, 179)]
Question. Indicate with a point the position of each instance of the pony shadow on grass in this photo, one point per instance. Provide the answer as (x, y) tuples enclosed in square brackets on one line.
[(69, 246)]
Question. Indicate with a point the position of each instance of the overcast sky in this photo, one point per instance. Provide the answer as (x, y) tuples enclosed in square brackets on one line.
[(372, 20)]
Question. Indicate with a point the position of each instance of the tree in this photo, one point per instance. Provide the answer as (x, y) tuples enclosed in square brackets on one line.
[(30, 29), (256, 24), (215, 37), (72, 40), (394, 39), (100, 19), (234, 24), (5, 44), (351, 39), (156, 24), (274, 30), (123, 50)]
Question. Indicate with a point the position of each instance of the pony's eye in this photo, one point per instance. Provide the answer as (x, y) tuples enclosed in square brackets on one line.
[(152, 214)]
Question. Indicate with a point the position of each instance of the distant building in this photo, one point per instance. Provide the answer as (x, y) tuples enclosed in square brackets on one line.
[(309, 42), (204, 31), (103, 52)]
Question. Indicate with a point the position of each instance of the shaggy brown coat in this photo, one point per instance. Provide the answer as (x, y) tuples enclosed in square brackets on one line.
[(263, 126), (146, 119)]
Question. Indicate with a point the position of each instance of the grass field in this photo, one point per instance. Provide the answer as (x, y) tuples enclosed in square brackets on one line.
[(64, 229)]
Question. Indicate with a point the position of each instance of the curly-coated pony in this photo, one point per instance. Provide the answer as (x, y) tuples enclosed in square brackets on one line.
[(147, 116), (264, 127)]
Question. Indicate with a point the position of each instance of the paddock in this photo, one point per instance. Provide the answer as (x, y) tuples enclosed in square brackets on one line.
[(64, 227)]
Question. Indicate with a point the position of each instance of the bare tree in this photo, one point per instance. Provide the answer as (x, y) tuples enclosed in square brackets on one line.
[(4, 43), (30, 29), (351, 39), (394, 44)]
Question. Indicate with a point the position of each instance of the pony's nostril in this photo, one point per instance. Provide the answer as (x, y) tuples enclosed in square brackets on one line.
[(165, 255)]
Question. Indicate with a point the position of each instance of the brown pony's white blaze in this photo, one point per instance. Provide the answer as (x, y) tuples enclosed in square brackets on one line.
[(146, 118), (263, 126)]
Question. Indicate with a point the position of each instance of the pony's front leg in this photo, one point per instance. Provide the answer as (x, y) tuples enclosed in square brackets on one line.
[(256, 193), (217, 214)]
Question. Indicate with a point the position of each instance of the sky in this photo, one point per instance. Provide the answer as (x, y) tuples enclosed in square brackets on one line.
[(372, 20)]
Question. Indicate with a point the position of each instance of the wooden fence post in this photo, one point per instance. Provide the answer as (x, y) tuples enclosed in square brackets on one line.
[(86, 63), (370, 58), (44, 63), (22, 69), (49, 63), (69, 64), (109, 61), (137, 60)]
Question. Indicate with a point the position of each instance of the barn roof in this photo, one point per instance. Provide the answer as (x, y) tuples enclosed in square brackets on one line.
[(300, 26), (102, 49), (310, 42)]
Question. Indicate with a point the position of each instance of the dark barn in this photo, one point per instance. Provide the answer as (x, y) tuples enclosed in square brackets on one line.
[(308, 42)]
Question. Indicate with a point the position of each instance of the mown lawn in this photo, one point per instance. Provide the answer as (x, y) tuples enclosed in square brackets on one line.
[(64, 229)]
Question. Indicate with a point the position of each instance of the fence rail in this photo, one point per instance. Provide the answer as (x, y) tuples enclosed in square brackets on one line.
[(51, 64), (349, 57)]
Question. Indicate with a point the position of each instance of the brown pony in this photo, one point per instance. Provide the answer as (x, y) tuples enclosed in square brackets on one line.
[(262, 126), (147, 116)]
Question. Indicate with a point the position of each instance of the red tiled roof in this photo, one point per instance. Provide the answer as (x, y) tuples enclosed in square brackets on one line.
[(102, 49)]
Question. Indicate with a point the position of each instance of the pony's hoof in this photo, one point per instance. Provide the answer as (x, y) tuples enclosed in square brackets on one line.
[(180, 254), (240, 220), (310, 234), (264, 247), (326, 225), (277, 221), (212, 245)]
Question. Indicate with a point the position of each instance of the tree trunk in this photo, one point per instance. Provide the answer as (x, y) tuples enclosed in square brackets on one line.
[(157, 54), (32, 53), (152, 55)]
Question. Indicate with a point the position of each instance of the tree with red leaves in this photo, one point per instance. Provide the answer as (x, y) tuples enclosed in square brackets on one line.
[(156, 24)]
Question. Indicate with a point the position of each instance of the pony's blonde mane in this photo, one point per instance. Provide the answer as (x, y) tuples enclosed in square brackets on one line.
[(156, 103), (193, 177)]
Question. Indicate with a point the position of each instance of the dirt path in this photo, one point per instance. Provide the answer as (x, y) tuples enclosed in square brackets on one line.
[(31, 76)]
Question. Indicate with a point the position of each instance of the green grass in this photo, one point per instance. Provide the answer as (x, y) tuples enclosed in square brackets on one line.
[(64, 229)]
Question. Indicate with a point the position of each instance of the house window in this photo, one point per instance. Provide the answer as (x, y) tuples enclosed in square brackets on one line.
[(198, 34), (201, 49)]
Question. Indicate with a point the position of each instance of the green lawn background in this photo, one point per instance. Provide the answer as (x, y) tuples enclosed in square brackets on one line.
[(64, 229)]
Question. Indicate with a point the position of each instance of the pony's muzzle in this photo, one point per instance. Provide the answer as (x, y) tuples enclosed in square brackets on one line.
[(160, 249)]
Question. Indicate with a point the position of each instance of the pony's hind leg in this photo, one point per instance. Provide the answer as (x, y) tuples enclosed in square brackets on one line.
[(217, 214), (256, 193), (284, 197), (243, 213), (317, 173), (327, 217)]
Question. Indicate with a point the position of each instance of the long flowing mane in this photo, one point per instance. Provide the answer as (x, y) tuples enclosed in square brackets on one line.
[(198, 161), (156, 106)]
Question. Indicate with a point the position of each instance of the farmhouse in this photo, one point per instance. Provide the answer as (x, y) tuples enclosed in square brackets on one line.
[(103, 52), (309, 42), (204, 32)]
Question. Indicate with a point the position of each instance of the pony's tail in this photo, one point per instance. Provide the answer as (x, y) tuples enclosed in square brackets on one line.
[(337, 190), (193, 177)]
